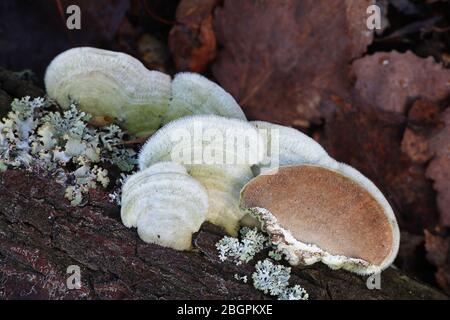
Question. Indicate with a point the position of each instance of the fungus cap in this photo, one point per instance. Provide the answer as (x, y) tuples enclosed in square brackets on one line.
[(314, 213), (288, 146), (204, 134), (110, 84), (165, 204), (194, 94)]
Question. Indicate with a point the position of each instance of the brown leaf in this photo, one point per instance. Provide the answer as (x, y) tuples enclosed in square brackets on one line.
[(437, 245), (369, 139), (389, 81), (439, 168), (193, 43), (424, 113), (415, 146), (283, 59)]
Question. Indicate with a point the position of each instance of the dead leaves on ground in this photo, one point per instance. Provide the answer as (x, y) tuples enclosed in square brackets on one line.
[(282, 60)]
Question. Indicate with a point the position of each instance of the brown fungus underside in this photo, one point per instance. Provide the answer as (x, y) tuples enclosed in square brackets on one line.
[(322, 207)]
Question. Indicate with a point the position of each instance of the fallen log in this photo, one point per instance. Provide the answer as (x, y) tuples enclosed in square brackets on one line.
[(41, 235)]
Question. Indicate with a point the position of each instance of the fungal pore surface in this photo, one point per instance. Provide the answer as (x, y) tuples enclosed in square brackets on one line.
[(336, 216)]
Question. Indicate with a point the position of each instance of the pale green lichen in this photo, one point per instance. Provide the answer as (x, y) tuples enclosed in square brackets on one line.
[(237, 251), (276, 254), (270, 278), (273, 279), (33, 137), (243, 278), (294, 293), (3, 166)]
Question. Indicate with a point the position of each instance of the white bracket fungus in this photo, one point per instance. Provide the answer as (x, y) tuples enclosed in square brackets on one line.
[(194, 94), (116, 86), (313, 213), (288, 146), (194, 168), (218, 152), (112, 84), (165, 204)]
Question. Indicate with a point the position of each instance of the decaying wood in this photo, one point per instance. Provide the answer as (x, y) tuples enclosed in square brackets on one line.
[(41, 235)]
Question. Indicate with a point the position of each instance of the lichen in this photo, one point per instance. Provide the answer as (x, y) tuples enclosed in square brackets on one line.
[(243, 278), (35, 138), (294, 293), (237, 251), (273, 279), (276, 254), (270, 278)]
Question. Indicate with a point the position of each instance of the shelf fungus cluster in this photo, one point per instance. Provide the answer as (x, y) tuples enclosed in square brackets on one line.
[(114, 86), (218, 152), (207, 163)]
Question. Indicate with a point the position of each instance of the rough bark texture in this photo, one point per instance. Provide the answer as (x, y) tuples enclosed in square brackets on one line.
[(41, 235)]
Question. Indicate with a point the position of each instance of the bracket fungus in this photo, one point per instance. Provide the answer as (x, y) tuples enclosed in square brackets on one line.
[(314, 213), (111, 84), (194, 94), (201, 164), (165, 204), (218, 152), (287, 146), (115, 86)]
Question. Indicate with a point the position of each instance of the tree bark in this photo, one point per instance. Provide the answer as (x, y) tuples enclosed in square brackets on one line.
[(41, 235)]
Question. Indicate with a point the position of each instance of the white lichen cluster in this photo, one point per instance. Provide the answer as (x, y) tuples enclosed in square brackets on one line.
[(62, 143), (243, 278), (273, 279), (244, 250), (116, 195), (270, 278)]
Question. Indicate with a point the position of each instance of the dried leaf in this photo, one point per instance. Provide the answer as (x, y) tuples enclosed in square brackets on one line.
[(369, 140), (415, 146), (389, 81), (439, 168), (283, 59), (193, 42)]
